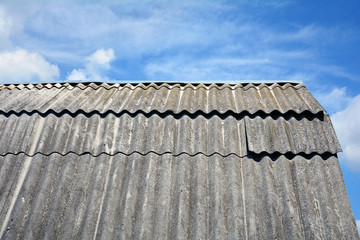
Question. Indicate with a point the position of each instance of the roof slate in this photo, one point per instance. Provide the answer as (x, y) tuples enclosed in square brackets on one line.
[(154, 161)]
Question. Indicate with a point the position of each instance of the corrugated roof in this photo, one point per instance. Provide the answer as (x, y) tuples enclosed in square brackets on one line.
[(175, 98), (169, 161), (143, 134)]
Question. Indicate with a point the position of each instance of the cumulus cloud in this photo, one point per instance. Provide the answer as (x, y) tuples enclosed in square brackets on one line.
[(358, 225), (346, 123), (21, 66), (95, 67)]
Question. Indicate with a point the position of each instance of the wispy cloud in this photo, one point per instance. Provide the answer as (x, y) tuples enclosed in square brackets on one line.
[(216, 40), (335, 100)]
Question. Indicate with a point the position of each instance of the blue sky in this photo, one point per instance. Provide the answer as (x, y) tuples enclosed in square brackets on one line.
[(317, 42)]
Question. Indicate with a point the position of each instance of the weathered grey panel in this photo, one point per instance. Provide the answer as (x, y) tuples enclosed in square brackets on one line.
[(292, 135), (157, 197), (126, 134), (161, 176), (165, 97)]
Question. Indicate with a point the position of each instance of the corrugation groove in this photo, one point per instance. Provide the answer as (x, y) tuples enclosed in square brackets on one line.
[(328, 218), (9, 174), (340, 198), (93, 203)]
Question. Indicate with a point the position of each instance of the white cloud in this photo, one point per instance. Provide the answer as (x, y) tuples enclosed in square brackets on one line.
[(154, 34), (77, 74), (346, 123), (21, 66), (149, 27), (358, 225), (101, 58), (334, 101), (95, 67)]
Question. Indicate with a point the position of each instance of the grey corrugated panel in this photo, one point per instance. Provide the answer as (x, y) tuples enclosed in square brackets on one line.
[(126, 134), (162, 197), (142, 134), (291, 135), (166, 97)]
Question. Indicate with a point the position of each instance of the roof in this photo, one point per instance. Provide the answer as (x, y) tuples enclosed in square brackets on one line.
[(147, 98), (100, 160)]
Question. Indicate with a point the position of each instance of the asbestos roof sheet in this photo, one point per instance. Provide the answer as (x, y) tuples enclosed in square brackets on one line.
[(125, 134), (161, 98), (162, 197), (155, 161), (32, 134), (291, 135)]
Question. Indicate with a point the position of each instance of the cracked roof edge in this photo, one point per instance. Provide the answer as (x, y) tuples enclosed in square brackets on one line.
[(158, 81)]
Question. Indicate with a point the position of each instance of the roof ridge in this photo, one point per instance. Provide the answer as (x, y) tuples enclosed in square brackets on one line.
[(194, 86)]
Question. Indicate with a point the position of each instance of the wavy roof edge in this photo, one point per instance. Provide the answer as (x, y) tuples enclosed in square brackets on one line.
[(157, 85), (232, 82)]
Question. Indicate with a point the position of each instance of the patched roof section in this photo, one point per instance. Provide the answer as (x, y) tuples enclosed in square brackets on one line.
[(176, 98)]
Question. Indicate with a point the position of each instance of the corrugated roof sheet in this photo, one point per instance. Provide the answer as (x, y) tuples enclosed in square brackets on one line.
[(291, 135), (162, 197), (154, 161), (161, 98), (124, 134), (142, 134)]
